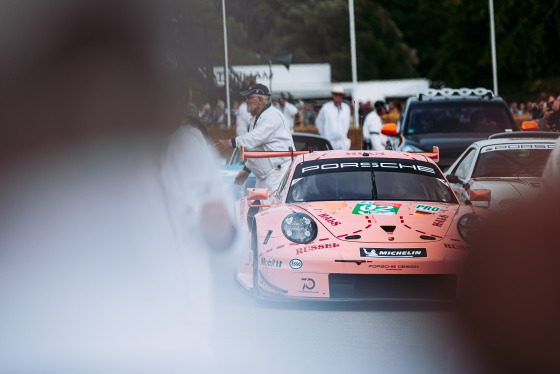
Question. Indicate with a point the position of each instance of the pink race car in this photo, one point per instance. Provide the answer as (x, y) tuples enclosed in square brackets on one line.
[(356, 225)]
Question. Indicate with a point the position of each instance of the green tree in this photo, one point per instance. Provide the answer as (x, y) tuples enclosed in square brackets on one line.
[(318, 31), (527, 41)]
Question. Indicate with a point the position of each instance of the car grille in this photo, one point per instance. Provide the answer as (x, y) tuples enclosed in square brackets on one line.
[(392, 286)]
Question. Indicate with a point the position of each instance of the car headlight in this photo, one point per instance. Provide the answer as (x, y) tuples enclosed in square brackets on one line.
[(411, 148), (299, 228), (469, 226)]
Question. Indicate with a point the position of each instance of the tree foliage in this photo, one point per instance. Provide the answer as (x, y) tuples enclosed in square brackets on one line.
[(444, 40), (319, 31)]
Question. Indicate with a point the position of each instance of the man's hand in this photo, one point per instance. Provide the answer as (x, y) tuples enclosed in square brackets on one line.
[(241, 177), (217, 228), (222, 145)]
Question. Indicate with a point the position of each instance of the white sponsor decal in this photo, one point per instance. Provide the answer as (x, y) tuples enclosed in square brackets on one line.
[(296, 263), (503, 147), (377, 165)]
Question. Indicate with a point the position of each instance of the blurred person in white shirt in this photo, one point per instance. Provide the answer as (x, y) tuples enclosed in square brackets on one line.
[(333, 121), (107, 225), (373, 138)]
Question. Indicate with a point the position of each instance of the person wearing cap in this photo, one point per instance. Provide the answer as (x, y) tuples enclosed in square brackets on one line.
[(268, 132), (193, 124), (333, 121), (289, 111), (373, 138)]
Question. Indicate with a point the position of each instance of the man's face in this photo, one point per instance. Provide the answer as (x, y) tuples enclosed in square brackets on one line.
[(337, 98), (253, 103)]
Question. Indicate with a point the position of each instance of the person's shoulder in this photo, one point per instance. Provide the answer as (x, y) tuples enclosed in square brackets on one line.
[(372, 116), (272, 112)]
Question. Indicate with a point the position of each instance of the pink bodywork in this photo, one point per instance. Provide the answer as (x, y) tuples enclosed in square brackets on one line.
[(294, 270)]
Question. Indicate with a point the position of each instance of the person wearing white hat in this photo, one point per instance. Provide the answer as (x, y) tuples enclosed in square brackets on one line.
[(333, 121)]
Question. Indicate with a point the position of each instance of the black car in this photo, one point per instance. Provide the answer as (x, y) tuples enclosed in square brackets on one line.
[(449, 119), (302, 142)]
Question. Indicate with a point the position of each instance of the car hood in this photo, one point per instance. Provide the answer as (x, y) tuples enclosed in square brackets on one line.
[(377, 221), (511, 190), (451, 145)]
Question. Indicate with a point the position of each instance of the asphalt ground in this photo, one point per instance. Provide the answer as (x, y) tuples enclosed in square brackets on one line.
[(334, 337)]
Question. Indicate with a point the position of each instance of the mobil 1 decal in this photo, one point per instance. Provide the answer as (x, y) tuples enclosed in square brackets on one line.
[(422, 209), (376, 208), (339, 165)]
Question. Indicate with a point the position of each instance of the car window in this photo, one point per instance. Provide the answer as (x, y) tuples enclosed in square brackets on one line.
[(283, 184), (306, 143), (359, 179), (464, 166), (512, 160), (457, 116), (301, 142)]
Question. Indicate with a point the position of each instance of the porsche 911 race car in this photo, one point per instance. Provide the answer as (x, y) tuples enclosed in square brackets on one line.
[(356, 225), (505, 169)]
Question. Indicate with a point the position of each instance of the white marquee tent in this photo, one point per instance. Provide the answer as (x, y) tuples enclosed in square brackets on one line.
[(313, 81)]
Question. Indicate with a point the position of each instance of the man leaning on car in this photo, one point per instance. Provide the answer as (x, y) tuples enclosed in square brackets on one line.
[(268, 132)]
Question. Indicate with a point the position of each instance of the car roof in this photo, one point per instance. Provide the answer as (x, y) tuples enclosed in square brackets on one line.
[(497, 141), (305, 134), (326, 155)]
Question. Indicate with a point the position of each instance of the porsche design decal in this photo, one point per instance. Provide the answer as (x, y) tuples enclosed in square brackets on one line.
[(370, 208), (393, 252), (393, 267)]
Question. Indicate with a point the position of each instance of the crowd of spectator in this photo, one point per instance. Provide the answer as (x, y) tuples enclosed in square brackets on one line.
[(545, 111), (305, 113)]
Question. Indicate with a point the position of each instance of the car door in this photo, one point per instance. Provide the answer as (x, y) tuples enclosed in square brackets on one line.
[(463, 171)]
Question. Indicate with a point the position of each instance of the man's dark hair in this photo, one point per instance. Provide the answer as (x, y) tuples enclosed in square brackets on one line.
[(378, 105)]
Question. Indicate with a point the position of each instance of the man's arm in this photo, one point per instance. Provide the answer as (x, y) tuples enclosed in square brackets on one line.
[(242, 176), (260, 134), (320, 121), (346, 122), (292, 109)]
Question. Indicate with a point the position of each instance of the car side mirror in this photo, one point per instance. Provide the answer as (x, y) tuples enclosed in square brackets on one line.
[(254, 194), (452, 178), (482, 196), (389, 129), (529, 126)]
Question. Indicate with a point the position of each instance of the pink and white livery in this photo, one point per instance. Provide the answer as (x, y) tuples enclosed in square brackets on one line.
[(356, 225)]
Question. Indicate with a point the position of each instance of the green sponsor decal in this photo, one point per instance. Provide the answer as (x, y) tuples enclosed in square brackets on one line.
[(427, 208), (376, 208)]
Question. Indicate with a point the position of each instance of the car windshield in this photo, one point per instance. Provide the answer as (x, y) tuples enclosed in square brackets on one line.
[(512, 160), (309, 143), (458, 116), (366, 179), (301, 142)]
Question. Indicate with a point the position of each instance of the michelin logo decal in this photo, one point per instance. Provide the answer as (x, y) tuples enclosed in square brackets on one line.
[(393, 252)]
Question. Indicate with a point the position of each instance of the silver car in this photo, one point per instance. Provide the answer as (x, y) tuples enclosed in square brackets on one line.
[(502, 170)]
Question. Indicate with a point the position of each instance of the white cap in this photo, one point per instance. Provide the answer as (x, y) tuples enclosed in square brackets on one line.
[(338, 90)]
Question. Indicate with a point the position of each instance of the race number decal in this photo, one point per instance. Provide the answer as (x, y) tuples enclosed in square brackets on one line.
[(369, 208)]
